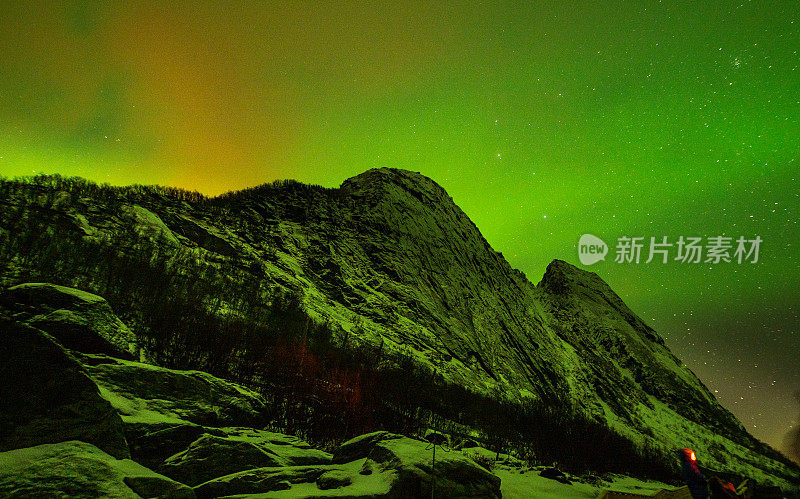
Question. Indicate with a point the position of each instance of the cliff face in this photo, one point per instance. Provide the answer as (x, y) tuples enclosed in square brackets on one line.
[(389, 261)]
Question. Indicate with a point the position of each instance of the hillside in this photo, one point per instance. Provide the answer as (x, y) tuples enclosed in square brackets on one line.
[(383, 275)]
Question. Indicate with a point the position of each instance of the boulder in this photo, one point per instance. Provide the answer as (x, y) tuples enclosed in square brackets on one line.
[(334, 479), (211, 457), (341, 481), (555, 474), (261, 480), (153, 447), (288, 449), (151, 398), (484, 457), (46, 396), (359, 447), (80, 470), (397, 467), (410, 462), (238, 449), (78, 320)]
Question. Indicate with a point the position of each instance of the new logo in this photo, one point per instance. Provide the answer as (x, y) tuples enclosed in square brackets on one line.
[(591, 249)]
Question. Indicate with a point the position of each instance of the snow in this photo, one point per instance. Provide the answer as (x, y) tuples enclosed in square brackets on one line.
[(362, 485), (530, 484)]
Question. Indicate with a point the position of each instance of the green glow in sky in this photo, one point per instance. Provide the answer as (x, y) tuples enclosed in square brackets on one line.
[(543, 120)]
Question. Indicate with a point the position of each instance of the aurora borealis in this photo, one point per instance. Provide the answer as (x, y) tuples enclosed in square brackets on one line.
[(543, 120)]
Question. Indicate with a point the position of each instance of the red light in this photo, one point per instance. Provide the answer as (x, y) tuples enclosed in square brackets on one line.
[(692, 456)]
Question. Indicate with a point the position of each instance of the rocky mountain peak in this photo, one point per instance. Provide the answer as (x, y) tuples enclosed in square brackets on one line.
[(420, 216), (562, 277), (587, 291), (383, 181)]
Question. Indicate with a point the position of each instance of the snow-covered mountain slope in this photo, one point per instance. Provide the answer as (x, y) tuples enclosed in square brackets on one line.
[(389, 261)]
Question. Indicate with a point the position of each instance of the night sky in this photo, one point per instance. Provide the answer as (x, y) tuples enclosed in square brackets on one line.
[(543, 120)]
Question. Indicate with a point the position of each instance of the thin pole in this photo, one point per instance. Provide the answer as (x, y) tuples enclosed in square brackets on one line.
[(433, 469)]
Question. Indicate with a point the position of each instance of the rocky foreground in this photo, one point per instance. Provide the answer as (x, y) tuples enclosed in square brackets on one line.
[(80, 418)]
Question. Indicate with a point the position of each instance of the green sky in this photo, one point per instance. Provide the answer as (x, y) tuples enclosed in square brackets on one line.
[(543, 120)]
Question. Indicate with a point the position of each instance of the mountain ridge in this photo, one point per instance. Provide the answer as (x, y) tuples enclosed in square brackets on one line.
[(388, 261)]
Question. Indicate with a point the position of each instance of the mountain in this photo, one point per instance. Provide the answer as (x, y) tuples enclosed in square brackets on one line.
[(384, 274)]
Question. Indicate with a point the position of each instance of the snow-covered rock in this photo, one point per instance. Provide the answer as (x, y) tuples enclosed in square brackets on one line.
[(239, 449), (46, 396), (155, 397), (79, 470), (79, 320)]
